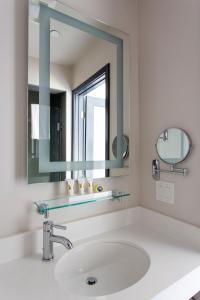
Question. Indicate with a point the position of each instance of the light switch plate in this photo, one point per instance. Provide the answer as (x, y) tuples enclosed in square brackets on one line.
[(165, 191)]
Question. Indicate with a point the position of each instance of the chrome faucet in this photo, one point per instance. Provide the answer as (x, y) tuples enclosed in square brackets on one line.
[(49, 238)]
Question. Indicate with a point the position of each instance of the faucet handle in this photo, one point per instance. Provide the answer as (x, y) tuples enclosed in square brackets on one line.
[(59, 226)]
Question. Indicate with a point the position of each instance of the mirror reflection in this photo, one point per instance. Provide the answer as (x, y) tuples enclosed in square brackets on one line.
[(83, 100), (173, 145)]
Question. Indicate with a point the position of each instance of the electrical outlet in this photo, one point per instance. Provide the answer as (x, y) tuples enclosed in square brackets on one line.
[(165, 191)]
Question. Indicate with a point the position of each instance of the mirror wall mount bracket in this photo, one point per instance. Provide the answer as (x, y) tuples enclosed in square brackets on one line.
[(173, 170)]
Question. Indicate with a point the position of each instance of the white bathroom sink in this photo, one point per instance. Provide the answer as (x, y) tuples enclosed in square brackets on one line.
[(101, 268)]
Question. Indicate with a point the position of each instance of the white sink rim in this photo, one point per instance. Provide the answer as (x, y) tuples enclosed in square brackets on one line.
[(100, 242)]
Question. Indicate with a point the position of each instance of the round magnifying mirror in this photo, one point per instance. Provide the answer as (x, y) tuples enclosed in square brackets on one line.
[(173, 145), (125, 147)]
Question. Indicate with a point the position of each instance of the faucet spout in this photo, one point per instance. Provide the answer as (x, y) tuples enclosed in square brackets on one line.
[(61, 240), (49, 239)]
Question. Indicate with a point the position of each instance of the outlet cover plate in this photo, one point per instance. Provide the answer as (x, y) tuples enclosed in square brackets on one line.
[(165, 191)]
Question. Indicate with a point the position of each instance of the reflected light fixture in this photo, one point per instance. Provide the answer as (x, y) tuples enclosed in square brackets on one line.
[(54, 33)]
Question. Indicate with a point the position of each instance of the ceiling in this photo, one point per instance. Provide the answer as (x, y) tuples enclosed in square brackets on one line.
[(67, 48)]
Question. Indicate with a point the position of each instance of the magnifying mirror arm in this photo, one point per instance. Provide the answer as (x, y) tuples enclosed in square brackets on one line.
[(179, 171), (173, 170)]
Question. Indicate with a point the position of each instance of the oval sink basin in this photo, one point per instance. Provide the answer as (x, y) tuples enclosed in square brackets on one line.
[(101, 268)]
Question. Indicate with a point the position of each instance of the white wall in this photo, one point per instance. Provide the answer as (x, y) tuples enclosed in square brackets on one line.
[(16, 208), (60, 76), (170, 96)]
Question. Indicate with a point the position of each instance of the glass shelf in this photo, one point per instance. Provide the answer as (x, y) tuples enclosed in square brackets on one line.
[(67, 201)]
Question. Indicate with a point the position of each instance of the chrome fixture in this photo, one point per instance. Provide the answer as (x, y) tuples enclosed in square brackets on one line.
[(173, 146), (49, 238), (173, 170), (42, 209), (91, 280)]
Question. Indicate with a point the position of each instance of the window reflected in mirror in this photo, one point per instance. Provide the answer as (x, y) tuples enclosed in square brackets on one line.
[(90, 122)]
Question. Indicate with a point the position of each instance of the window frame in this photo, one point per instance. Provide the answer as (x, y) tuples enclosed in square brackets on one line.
[(87, 85)]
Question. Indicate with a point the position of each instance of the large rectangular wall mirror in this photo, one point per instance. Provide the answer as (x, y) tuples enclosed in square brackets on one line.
[(78, 95)]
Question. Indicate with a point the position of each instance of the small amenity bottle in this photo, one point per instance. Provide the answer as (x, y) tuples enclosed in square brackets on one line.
[(90, 185), (81, 185), (98, 188), (70, 187)]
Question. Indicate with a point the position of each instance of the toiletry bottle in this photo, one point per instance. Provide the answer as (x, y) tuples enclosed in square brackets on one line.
[(98, 188), (90, 185), (81, 185), (70, 187)]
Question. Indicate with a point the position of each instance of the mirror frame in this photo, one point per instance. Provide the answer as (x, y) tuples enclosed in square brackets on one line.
[(45, 165), (189, 150)]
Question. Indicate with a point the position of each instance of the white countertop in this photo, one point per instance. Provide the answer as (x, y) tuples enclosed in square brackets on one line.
[(174, 272)]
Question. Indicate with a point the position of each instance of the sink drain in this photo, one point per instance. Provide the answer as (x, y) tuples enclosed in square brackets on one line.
[(91, 280)]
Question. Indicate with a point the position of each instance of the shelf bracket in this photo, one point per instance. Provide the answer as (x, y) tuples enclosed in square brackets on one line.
[(43, 209)]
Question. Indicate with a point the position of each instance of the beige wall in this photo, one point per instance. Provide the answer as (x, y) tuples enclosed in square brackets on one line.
[(16, 208), (60, 76), (170, 96)]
